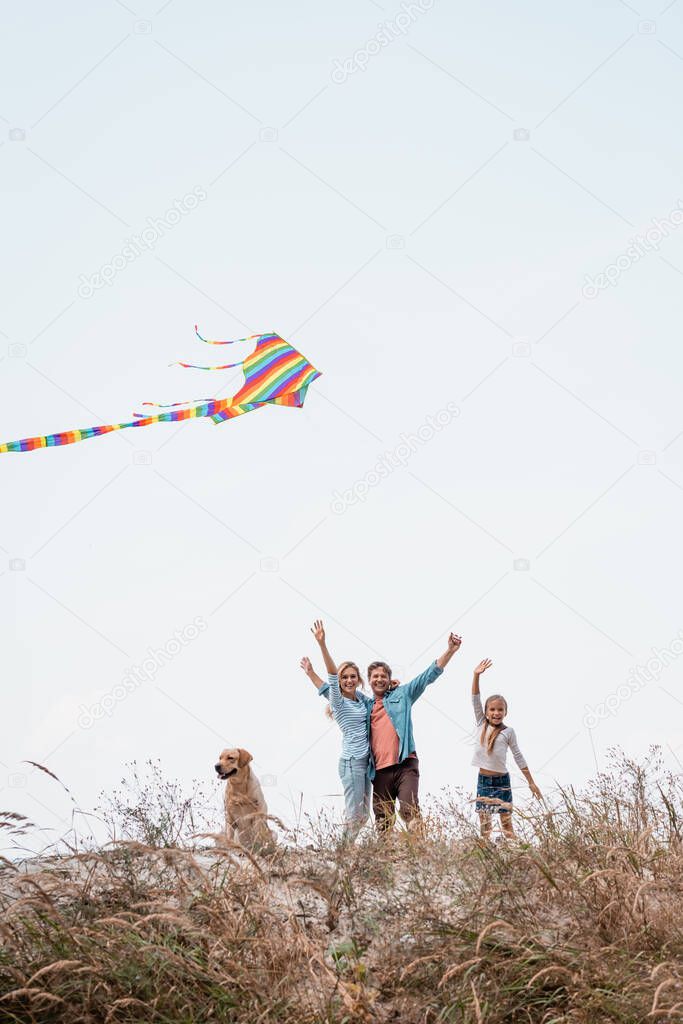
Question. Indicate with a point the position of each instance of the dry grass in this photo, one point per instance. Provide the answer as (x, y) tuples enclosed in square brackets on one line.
[(580, 921)]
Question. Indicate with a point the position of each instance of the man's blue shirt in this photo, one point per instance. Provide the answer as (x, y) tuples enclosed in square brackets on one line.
[(398, 704)]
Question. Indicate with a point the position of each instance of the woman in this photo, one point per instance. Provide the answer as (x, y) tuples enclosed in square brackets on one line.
[(349, 708)]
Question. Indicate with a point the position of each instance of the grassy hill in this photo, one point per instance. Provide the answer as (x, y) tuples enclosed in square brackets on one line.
[(579, 921)]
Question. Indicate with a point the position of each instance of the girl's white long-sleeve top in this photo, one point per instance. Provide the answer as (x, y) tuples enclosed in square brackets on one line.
[(506, 738)]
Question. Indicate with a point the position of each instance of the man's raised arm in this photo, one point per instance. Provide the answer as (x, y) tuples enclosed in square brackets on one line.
[(453, 645), (417, 686)]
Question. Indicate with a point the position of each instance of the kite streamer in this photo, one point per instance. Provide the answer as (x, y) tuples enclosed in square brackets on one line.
[(274, 374)]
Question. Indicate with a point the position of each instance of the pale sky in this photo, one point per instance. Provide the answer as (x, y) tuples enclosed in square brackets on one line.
[(429, 226)]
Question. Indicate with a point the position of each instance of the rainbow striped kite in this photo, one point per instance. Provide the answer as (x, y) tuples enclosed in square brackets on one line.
[(274, 374)]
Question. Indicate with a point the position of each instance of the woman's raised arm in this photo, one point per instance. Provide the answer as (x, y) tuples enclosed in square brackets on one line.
[(318, 631), (311, 673)]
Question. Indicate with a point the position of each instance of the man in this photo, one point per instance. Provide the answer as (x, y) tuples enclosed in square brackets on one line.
[(394, 766), (395, 769)]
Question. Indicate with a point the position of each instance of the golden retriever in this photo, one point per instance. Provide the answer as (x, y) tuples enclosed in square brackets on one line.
[(245, 806)]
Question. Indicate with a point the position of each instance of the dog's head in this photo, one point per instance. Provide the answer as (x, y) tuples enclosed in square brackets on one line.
[(231, 761)]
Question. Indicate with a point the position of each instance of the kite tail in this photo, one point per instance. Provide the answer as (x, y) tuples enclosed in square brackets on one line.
[(193, 366), (29, 444), (208, 341), (170, 405), (228, 366)]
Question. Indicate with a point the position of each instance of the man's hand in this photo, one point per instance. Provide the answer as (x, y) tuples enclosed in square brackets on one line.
[(454, 642), (318, 631), (482, 666)]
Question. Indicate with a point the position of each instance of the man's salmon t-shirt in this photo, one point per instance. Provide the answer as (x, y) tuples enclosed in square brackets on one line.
[(383, 737)]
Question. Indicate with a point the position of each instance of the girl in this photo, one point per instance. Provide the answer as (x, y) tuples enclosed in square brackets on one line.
[(349, 709), (489, 758)]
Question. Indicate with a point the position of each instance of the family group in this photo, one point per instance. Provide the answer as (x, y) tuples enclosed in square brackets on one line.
[(378, 748)]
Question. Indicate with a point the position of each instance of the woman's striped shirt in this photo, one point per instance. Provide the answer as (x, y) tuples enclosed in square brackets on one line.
[(352, 718)]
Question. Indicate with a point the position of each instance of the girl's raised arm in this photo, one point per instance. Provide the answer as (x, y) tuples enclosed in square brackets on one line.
[(481, 667), (476, 699), (318, 631)]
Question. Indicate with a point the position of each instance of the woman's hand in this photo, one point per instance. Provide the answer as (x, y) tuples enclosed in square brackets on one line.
[(318, 631), (307, 666), (535, 790), (482, 666), (454, 642)]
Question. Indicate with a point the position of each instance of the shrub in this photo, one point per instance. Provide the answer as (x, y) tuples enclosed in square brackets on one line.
[(578, 922), (151, 808)]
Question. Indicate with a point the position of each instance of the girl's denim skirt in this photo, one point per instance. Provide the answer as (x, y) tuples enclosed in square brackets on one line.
[(496, 787)]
